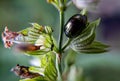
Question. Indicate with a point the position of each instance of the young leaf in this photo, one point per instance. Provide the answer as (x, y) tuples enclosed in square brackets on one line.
[(50, 70), (45, 59), (99, 45), (77, 45), (95, 47), (48, 29), (86, 37), (25, 31), (93, 50), (85, 42), (36, 70)]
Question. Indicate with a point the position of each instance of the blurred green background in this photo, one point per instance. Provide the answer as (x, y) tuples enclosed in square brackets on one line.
[(18, 14)]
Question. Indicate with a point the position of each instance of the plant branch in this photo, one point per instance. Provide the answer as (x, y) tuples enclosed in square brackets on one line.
[(61, 30), (61, 15)]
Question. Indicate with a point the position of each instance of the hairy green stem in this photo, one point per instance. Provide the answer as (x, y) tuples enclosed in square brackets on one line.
[(61, 30), (60, 43), (61, 15)]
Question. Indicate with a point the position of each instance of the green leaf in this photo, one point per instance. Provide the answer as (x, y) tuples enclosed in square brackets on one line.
[(25, 31), (99, 45), (50, 70), (37, 27), (32, 33), (78, 45), (45, 59), (88, 32), (93, 50), (85, 41), (48, 29), (95, 47), (48, 63), (86, 37), (36, 70), (37, 52)]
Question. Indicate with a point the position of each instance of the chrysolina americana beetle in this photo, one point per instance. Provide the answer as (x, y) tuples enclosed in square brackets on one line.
[(75, 25)]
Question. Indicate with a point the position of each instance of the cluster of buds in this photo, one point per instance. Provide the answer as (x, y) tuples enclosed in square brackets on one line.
[(36, 38)]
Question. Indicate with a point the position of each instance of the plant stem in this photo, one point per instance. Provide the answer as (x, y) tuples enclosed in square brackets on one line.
[(61, 13), (60, 44), (59, 55), (58, 67)]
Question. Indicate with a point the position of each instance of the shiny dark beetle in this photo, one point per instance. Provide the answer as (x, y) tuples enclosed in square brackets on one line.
[(75, 25)]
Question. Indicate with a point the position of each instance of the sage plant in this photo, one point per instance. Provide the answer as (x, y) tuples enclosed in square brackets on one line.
[(38, 41)]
